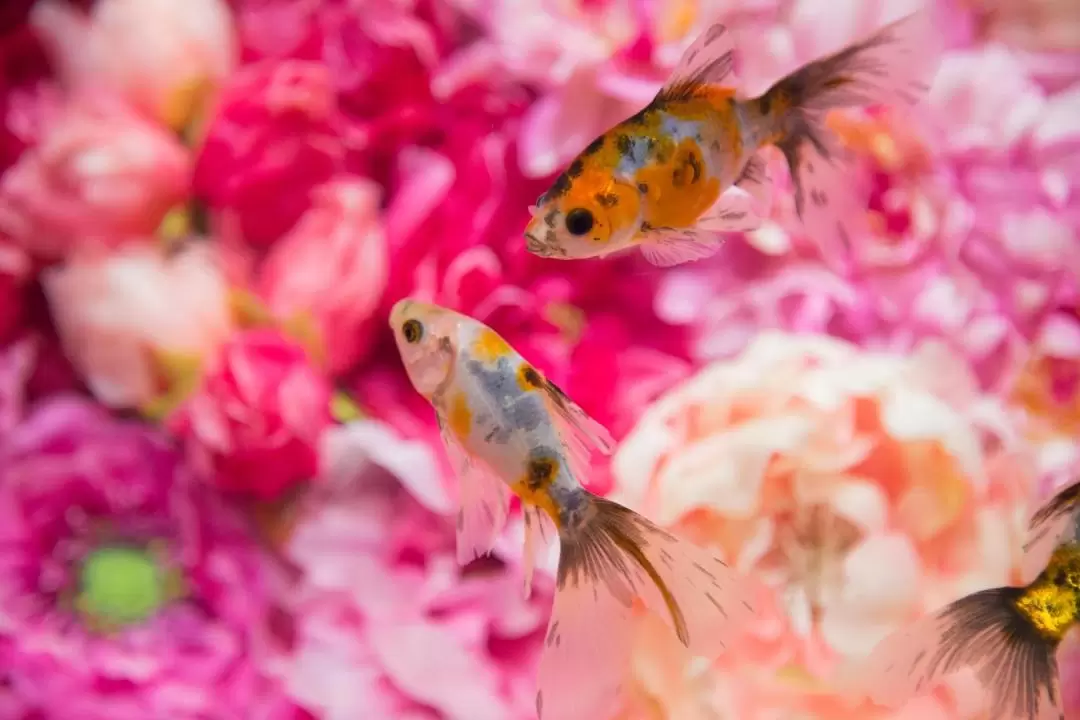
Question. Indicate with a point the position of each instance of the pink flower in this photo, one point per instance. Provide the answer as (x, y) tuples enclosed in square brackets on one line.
[(331, 267), (257, 417), (26, 93), (864, 488), (118, 571), (15, 275), (124, 317), (1069, 659), (164, 57), (275, 137), (101, 176), (378, 634)]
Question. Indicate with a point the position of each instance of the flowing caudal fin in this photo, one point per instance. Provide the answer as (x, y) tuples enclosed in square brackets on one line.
[(894, 66), (1049, 526), (984, 632), (610, 560)]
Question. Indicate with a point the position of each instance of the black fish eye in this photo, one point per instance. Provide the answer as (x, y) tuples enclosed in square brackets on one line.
[(579, 221), (412, 330)]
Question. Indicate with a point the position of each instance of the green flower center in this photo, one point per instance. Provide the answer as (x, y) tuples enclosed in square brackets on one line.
[(121, 586)]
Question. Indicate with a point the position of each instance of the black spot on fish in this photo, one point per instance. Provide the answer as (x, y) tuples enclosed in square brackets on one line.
[(576, 168), (819, 198), (593, 147), (646, 227), (638, 118), (541, 471), (553, 634), (549, 219), (809, 167), (607, 199), (532, 377), (560, 187), (643, 188), (624, 144), (695, 165)]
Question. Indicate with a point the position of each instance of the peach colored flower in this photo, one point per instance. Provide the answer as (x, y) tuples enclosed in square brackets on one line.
[(119, 316), (100, 177), (864, 488), (163, 56), (332, 267)]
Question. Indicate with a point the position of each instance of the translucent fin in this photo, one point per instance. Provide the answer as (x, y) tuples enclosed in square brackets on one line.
[(895, 65), (536, 542), (666, 247), (1048, 528), (756, 182), (485, 502), (581, 433), (983, 632), (710, 60), (734, 211), (613, 560)]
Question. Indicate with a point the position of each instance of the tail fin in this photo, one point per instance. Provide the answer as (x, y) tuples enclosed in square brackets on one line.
[(607, 560), (985, 632), (894, 65)]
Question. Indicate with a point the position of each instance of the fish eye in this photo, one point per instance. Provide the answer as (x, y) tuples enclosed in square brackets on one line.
[(579, 221), (412, 330)]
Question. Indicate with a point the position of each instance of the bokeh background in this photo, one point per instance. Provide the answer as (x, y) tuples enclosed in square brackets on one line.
[(219, 496)]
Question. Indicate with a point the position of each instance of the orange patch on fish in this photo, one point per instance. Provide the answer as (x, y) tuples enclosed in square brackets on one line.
[(460, 416), (489, 346), (529, 378), (534, 486), (680, 190)]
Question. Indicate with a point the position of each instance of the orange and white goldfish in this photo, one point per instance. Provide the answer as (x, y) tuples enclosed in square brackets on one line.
[(690, 163), (508, 429), (1008, 636)]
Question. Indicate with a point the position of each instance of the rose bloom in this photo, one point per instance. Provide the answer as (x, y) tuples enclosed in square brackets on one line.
[(165, 57), (331, 267), (863, 488), (100, 177), (118, 570), (257, 415), (127, 319)]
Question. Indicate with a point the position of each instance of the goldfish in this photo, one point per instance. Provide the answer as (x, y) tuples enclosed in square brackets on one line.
[(1008, 636), (508, 430), (692, 162)]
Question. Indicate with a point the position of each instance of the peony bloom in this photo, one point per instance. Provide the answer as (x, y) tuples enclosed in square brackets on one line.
[(863, 488), (127, 318), (257, 416), (118, 571), (164, 57), (376, 634), (100, 177), (331, 267), (275, 137)]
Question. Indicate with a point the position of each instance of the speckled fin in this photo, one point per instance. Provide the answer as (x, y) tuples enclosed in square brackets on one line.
[(1048, 528), (536, 541), (710, 60), (485, 502), (983, 632), (582, 434)]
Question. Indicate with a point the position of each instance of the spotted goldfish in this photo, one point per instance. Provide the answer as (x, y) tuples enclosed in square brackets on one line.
[(1008, 636), (508, 429), (690, 164)]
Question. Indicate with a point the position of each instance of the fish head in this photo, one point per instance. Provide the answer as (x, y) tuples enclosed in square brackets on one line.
[(426, 337), (588, 214)]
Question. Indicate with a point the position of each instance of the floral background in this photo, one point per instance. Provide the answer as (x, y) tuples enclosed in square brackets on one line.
[(219, 496)]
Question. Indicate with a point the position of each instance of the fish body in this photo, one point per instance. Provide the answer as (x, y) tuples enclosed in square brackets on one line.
[(510, 431), (689, 165), (1009, 635)]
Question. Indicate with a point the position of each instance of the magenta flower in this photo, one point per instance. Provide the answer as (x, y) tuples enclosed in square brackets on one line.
[(119, 578), (257, 416), (26, 92)]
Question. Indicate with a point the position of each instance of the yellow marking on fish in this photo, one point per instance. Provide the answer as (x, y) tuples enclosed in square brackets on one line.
[(529, 379), (534, 488), (677, 619), (1051, 602), (489, 346), (460, 416)]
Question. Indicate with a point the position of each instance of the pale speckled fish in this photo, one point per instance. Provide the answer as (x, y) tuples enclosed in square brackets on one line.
[(688, 165), (1009, 636), (507, 429)]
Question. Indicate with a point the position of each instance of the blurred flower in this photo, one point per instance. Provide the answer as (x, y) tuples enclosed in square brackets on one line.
[(1036, 25), (257, 416), (100, 177), (1069, 657), (165, 56), (16, 364), (15, 274), (127, 318), (27, 96), (864, 488), (378, 634), (331, 267), (276, 136), (119, 572)]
